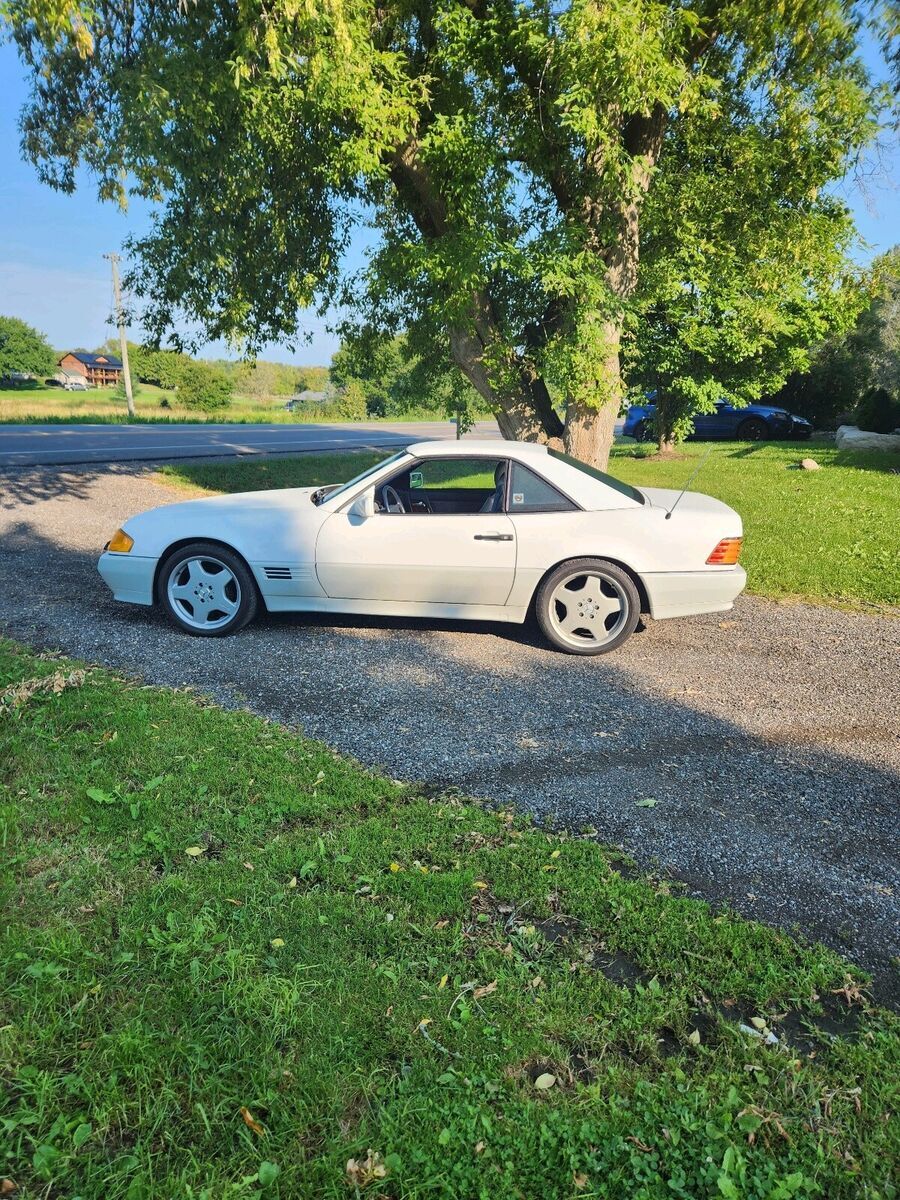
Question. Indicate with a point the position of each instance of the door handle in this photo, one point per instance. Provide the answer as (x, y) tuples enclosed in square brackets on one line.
[(493, 537)]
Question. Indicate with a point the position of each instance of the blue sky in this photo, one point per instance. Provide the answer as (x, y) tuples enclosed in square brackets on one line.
[(53, 275)]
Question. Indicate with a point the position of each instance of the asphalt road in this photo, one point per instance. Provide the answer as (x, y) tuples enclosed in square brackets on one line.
[(768, 738), (58, 445)]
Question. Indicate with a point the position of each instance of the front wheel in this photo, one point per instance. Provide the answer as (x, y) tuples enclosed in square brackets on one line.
[(643, 431), (206, 590), (753, 430), (588, 606)]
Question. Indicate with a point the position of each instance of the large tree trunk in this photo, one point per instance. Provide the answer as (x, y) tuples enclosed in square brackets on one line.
[(591, 412), (592, 409), (590, 432), (523, 415), (524, 412)]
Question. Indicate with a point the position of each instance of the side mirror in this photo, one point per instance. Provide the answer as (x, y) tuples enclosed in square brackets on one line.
[(363, 506)]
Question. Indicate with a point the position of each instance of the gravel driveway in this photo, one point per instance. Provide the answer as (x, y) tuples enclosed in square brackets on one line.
[(768, 738)]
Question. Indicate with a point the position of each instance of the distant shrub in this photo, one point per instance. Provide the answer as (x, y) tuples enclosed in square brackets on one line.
[(351, 405), (878, 411), (203, 388), (160, 367)]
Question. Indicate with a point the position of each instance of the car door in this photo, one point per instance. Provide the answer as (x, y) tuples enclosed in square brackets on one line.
[(710, 425), (427, 555)]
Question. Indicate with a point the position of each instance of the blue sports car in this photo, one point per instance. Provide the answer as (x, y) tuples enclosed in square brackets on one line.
[(753, 423)]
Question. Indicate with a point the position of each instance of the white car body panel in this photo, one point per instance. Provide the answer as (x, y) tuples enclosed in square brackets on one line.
[(436, 558), (482, 566)]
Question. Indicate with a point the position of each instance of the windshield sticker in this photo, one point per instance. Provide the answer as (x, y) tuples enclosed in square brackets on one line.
[(416, 479), (518, 497)]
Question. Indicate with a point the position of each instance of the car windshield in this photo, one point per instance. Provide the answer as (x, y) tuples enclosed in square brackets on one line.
[(331, 493), (624, 489)]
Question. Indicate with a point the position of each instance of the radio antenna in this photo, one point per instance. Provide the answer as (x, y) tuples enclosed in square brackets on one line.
[(691, 479)]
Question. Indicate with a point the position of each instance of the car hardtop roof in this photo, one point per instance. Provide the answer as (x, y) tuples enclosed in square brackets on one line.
[(476, 447)]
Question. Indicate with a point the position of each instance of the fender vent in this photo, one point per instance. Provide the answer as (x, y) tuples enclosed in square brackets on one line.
[(277, 572)]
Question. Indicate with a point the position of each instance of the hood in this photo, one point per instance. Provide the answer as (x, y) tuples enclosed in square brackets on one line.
[(254, 523), (276, 500), (767, 410)]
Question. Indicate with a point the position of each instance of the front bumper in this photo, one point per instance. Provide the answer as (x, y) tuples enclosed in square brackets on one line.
[(688, 593), (129, 576)]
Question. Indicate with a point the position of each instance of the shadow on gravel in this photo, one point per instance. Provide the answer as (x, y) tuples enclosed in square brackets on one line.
[(795, 835), (31, 485)]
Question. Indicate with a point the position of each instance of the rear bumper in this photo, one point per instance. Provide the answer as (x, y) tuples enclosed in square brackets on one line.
[(687, 593), (128, 576)]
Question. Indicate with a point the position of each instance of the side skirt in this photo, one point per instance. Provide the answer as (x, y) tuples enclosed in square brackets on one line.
[(398, 608)]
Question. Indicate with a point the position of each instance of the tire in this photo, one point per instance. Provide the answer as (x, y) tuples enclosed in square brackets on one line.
[(602, 614), (196, 596), (642, 431), (753, 430)]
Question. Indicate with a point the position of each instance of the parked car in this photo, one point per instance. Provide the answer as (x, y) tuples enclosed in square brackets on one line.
[(77, 385), (753, 423), (476, 530)]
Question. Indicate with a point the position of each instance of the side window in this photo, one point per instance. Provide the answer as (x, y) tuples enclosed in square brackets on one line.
[(477, 473), (529, 493)]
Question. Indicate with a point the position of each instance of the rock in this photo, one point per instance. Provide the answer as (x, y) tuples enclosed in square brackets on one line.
[(809, 464), (848, 437)]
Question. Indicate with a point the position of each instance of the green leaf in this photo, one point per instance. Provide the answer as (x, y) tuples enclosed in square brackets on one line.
[(268, 1172), (100, 797), (81, 1134), (44, 1159)]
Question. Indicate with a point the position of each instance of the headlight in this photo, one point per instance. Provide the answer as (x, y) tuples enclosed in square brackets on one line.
[(120, 542)]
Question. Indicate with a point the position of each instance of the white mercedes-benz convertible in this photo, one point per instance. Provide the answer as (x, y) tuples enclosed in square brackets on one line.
[(470, 529)]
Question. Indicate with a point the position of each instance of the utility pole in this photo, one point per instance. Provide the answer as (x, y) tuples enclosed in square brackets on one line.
[(120, 321)]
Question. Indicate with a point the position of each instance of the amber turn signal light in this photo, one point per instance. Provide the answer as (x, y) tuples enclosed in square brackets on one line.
[(726, 553), (120, 542)]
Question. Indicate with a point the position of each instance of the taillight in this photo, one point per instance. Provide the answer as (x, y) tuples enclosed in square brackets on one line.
[(726, 553)]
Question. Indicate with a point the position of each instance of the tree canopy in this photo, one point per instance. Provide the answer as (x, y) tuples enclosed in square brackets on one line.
[(396, 380), (23, 348), (541, 177), (846, 366)]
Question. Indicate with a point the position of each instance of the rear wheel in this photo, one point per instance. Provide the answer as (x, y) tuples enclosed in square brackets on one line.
[(588, 606), (753, 430), (207, 590)]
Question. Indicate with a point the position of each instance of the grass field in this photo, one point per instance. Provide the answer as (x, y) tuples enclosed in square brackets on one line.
[(822, 535), (34, 406), (235, 964)]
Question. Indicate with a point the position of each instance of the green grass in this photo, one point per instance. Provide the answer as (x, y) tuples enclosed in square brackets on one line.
[(206, 913), (820, 535), (828, 535), (103, 406), (305, 470)]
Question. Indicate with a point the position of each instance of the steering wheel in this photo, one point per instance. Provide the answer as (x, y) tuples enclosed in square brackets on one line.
[(391, 498)]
